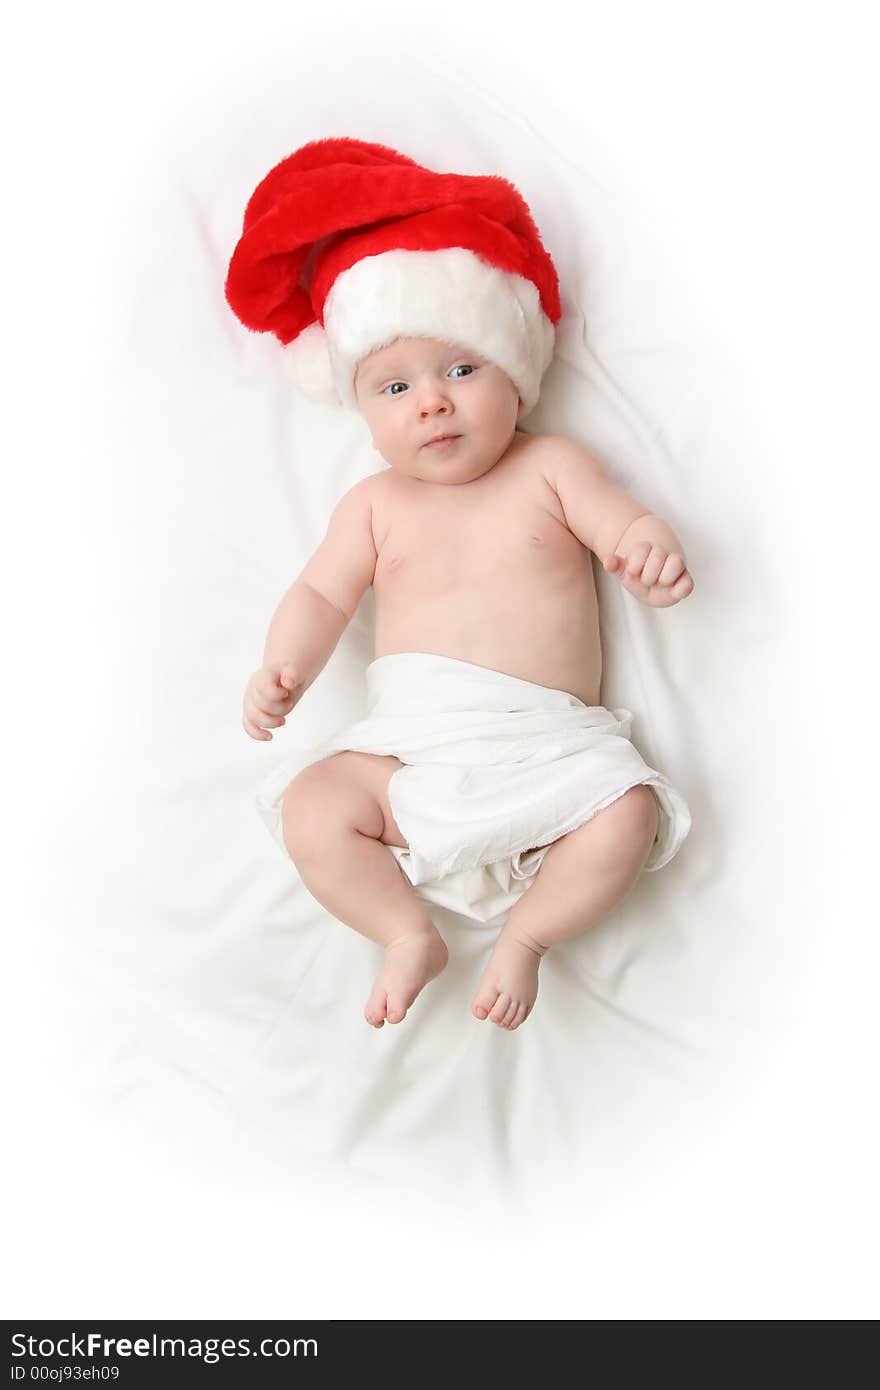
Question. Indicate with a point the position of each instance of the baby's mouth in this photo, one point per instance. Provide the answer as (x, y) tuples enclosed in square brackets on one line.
[(443, 443)]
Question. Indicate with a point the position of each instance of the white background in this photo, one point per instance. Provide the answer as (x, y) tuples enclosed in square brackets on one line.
[(773, 105)]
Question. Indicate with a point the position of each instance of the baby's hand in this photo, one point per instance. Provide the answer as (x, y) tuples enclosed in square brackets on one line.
[(271, 693), (652, 574)]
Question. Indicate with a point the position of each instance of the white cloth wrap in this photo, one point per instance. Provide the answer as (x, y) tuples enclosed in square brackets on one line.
[(493, 765)]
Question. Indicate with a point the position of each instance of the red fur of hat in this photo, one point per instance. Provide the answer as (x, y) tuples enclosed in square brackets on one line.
[(334, 202)]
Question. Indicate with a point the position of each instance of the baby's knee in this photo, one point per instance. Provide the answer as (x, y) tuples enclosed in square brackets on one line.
[(313, 803), (638, 815), (629, 824)]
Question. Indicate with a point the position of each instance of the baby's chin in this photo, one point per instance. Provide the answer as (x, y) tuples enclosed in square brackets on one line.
[(451, 474), (455, 465)]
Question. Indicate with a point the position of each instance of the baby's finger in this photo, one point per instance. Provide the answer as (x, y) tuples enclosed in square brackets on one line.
[(635, 587), (674, 566), (251, 728), (653, 565), (666, 595), (268, 687), (280, 704), (268, 719), (288, 678), (274, 698), (635, 561)]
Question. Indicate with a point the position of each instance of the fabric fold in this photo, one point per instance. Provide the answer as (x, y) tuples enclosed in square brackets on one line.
[(493, 765)]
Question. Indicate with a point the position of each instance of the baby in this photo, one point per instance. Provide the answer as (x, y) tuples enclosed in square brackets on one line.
[(472, 520), (429, 304)]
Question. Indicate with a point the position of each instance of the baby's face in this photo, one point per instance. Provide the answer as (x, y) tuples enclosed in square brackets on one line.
[(417, 388)]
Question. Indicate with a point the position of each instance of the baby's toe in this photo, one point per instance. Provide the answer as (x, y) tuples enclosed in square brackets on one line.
[(485, 999), (499, 1012), (376, 1009), (519, 1016), (397, 1007), (510, 1014)]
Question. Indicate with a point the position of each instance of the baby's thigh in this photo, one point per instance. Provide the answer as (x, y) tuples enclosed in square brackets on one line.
[(348, 789)]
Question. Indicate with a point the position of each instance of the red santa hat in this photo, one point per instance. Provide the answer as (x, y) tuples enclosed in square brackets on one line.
[(348, 245)]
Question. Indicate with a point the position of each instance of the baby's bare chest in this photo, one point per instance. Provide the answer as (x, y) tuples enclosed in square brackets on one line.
[(490, 575), (494, 541)]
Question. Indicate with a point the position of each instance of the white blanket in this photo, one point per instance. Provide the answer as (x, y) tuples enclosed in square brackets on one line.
[(493, 765)]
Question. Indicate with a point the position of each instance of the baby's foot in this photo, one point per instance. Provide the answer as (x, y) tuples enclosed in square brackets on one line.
[(509, 986), (410, 962)]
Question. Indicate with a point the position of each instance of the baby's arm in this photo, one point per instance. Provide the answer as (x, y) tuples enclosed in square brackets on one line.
[(314, 613), (639, 547)]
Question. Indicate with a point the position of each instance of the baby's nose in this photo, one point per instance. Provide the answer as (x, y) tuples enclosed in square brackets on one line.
[(433, 400)]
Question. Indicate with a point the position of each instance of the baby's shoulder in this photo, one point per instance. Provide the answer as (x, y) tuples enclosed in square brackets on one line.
[(365, 495), (557, 456), (543, 447), (543, 455), (377, 493)]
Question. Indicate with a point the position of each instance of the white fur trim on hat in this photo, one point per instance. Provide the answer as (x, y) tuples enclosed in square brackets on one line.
[(451, 294), (306, 363)]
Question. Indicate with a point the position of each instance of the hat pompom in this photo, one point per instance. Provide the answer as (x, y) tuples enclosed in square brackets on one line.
[(307, 366)]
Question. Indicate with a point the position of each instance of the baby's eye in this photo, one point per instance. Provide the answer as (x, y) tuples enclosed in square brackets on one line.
[(461, 367)]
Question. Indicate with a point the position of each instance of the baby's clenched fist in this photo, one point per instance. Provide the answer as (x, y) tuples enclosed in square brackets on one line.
[(271, 694), (652, 574)]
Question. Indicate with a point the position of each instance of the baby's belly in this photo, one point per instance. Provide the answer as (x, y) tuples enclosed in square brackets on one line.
[(545, 633)]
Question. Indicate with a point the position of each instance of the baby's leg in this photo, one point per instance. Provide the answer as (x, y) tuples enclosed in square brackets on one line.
[(337, 822), (581, 877)]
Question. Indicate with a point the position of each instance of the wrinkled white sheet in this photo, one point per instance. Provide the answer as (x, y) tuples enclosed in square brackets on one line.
[(257, 992), (247, 475), (210, 1019)]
